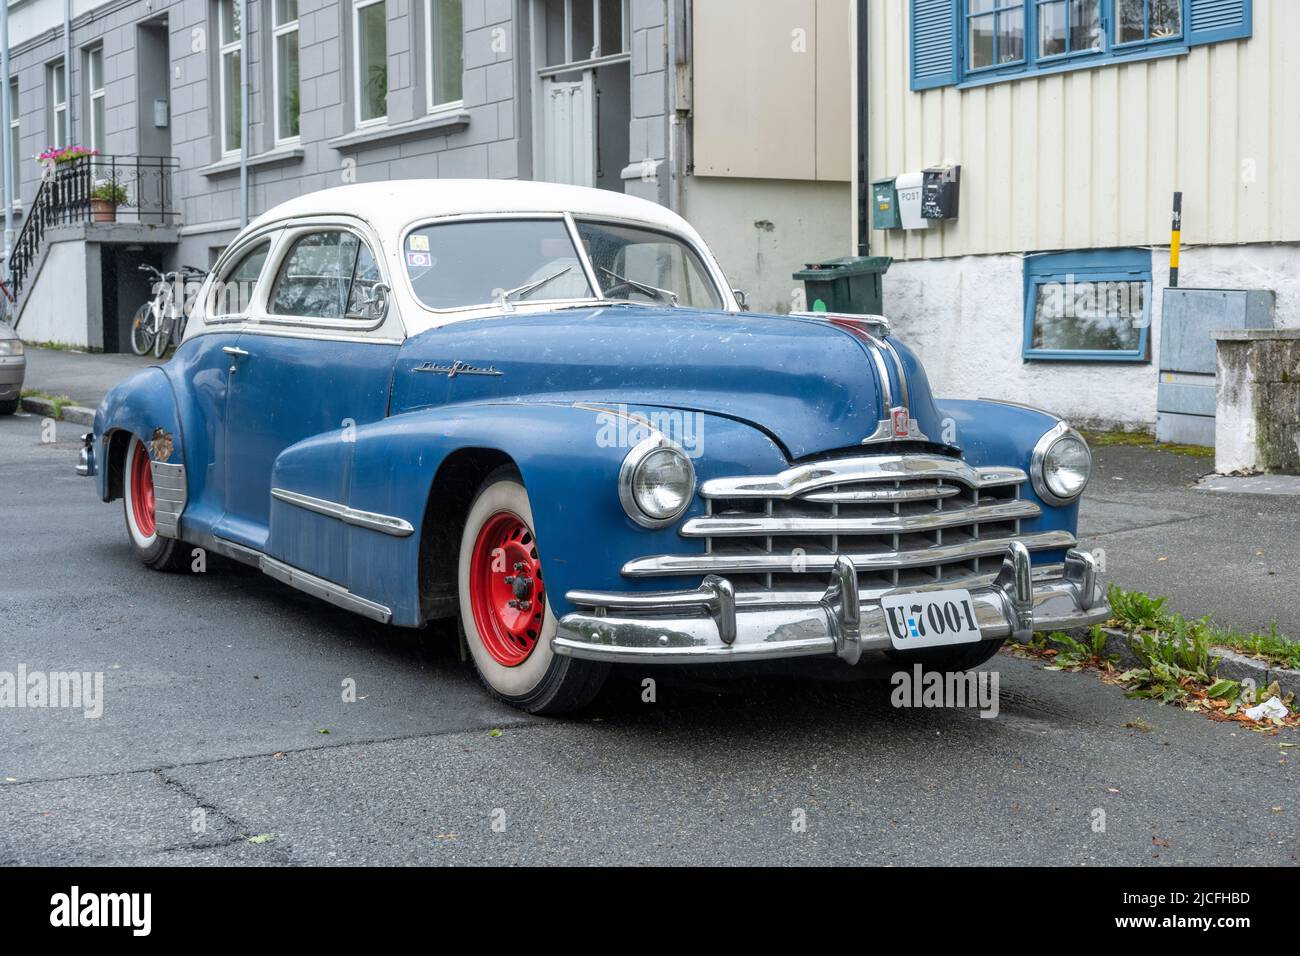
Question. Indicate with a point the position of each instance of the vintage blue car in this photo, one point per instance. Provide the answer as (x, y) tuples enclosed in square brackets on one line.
[(540, 410)]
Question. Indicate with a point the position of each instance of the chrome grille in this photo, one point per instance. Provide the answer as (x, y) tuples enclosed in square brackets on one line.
[(906, 521)]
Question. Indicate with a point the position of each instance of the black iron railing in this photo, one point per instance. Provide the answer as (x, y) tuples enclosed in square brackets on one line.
[(94, 189)]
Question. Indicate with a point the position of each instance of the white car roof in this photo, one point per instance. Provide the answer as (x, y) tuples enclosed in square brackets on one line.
[(391, 206)]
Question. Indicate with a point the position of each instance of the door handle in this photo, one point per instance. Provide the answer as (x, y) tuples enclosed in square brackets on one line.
[(235, 353)]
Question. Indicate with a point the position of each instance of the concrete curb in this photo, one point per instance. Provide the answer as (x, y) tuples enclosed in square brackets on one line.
[(78, 414), (1233, 665)]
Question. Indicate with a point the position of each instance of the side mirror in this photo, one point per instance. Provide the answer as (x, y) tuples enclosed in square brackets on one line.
[(741, 299)]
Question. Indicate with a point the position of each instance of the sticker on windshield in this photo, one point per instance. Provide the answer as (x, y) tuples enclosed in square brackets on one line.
[(419, 260), (418, 243)]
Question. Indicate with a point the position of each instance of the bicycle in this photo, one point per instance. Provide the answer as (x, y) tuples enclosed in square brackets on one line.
[(161, 321)]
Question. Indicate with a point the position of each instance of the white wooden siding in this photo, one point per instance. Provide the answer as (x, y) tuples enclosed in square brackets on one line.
[(1091, 158)]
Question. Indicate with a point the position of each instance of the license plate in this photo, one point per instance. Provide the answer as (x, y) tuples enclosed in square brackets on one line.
[(930, 619)]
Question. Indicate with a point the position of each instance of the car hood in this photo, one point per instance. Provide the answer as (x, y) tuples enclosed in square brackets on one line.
[(812, 386)]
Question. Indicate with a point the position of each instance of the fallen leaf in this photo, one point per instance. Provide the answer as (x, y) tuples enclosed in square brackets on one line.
[(322, 731), (1159, 842), (494, 732), (277, 755), (261, 838)]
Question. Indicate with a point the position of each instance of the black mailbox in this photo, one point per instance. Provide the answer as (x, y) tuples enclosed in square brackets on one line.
[(939, 192)]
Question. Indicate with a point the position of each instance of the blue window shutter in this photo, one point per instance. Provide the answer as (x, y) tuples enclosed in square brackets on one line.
[(1210, 21), (936, 54)]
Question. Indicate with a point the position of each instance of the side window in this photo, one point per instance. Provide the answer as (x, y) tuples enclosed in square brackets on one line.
[(235, 290), (326, 275)]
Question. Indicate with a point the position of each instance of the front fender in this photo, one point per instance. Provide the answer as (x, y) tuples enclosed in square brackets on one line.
[(568, 455), (139, 405), (995, 433)]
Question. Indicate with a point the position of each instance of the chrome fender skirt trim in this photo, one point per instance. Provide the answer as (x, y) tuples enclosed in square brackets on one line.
[(388, 524), (169, 495), (335, 594)]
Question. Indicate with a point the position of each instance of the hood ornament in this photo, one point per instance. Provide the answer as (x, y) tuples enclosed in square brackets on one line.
[(457, 368)]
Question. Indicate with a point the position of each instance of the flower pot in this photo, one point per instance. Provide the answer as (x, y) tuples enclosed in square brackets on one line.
[(102, 210)]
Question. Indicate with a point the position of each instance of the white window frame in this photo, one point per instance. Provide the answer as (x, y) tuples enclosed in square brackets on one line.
[(278, 30), (224, 50), (96, 93), (59, 108), (430, 45), (357, 83)]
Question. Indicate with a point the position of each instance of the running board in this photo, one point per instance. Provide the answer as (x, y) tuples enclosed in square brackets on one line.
[(328, 591)]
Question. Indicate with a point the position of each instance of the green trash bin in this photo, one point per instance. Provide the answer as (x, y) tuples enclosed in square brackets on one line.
[(852, 285)]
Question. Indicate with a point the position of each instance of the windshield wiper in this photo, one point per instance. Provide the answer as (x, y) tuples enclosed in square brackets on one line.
[(505, 295), (662, 295)]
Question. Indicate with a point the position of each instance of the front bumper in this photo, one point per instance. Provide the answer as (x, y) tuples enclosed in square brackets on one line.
[(706, 625)]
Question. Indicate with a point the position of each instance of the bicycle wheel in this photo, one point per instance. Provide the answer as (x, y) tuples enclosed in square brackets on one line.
[(163, 338), (142, 329)]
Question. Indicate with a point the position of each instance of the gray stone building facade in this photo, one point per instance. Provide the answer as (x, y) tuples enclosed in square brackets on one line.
[(596, 92)]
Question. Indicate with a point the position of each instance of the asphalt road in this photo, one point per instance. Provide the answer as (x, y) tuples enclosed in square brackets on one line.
[(218, 687)]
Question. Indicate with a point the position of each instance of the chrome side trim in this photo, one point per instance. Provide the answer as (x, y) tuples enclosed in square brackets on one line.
[(335, 594), (669, 564), (388, 524), (236, 552), (801, 479), (743, 527), (169, 495)]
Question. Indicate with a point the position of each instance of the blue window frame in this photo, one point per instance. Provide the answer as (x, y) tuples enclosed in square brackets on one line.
[(973, 42), (1091, 306)]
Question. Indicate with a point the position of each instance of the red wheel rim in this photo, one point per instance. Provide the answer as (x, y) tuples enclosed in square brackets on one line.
[(507, 596), (142, 503)]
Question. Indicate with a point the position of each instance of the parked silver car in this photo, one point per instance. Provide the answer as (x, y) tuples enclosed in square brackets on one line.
[(13, 368)]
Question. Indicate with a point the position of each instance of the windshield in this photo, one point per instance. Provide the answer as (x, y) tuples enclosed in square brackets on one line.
[(466, 264), (457, 265), (647, 266)]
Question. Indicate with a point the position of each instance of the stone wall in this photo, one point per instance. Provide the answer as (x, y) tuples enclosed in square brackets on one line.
[(1257, 418)]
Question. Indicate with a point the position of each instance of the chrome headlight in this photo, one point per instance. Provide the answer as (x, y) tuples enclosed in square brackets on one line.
[(1061, 465), (11, 346), (656, 482)]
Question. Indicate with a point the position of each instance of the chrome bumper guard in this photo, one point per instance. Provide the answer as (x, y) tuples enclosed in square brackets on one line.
[(86, 459), (704, 625)]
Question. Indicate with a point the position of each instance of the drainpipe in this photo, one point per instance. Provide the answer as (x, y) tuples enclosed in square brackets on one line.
[(864, 129), (8, 161), (678, 12), (243, 111), (67, 68)]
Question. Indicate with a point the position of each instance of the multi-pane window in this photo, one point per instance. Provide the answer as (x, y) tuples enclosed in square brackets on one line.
[(444, 59), (58, 105), (1092, 305), (284, 28), (1068, 26), (580, 30), (14, 136), (95, 87), (370, 60), (1139, 20), (996, 32), (228, 33)]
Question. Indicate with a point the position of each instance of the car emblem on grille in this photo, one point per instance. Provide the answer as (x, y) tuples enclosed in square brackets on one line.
[(902, 422), (458, 368)]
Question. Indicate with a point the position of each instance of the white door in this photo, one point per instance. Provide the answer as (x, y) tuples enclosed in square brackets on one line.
[(569, 130)]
